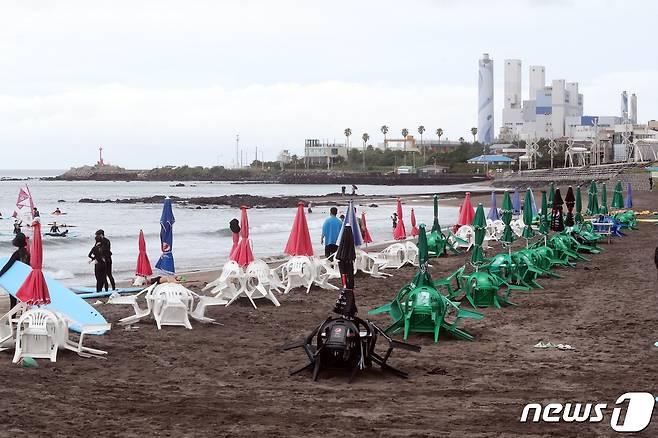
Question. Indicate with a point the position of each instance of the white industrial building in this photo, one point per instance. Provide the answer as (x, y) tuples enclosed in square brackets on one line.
[(485, 133)]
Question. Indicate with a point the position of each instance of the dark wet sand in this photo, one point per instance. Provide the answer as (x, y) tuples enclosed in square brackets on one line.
[(232, 380)]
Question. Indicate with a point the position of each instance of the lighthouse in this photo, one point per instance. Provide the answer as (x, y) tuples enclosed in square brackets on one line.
[(101, 163)]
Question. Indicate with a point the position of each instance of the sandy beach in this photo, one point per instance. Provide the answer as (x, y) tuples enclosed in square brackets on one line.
[(232, 380)]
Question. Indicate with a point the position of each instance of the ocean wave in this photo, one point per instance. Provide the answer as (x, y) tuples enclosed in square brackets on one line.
[(61, 274)]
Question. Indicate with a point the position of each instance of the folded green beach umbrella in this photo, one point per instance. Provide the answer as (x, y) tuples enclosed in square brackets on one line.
[(479, 225), (593, 200), (527, 215), (618, 197), (507, 210), (435, 225), (422, 277), (551, 193), (603, 209), (544, 222), (578, 218)]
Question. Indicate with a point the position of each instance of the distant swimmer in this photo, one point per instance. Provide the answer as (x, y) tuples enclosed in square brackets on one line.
[(35, 212), (54, 228), (394, 218), (57, 211), (310, 207)]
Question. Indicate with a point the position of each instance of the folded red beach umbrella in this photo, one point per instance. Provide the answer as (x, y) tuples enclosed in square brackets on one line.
[(243, 254), (399, 233), (35, 290), (143, 262), (466, 212), (299, 242), (364, 228), (414, 228)]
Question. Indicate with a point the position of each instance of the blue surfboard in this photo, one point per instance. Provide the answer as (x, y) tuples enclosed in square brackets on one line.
[(121, 290), (61, 298)]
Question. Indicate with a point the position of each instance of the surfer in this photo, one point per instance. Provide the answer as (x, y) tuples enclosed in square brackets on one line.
[(17, 226), (96, 254), (107, 255), (35, 212), (54, 228), (57, 211), (394, 219), (20, 255)]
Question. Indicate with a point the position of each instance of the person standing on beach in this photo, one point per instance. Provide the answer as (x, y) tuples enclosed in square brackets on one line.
[(330, 230), (655, 257), (20, 255), (96, 254), (394, 218), (107, 257)]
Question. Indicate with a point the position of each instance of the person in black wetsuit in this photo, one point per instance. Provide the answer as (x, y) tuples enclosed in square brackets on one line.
[(97, 256), (54, 228), (107, 256), (20, 255)]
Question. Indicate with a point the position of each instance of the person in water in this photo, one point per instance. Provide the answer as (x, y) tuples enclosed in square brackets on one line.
[(17, 226), (54, 228), (57, 211), (20, 255), (35, 212), (107, 256), (394, 218), (96, 254)]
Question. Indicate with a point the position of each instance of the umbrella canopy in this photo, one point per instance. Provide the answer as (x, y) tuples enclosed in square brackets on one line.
[(351, 219), (493, 211), (551, 193), (143, 263), (364, 227), (466, 211), (557, 221), (243, 254), (570, 200), (34, 290), (479, 225), (534, 204), (507, 210), (618, 197), (628, 202), (579, 207), (346, 255), (603, 209), (544, 222), (166, 261), (299, 241), (422, 277), (399, 233), (592, 200), (414, 228), (527, 215), (436, 227), (516, 202)]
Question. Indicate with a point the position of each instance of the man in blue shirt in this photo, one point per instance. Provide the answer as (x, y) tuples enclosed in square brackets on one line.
[(330, 230)]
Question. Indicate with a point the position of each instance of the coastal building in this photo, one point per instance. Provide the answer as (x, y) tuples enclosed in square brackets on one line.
[(320, 152), (284, 157), (433, 169), (412, 145), (485, 126)]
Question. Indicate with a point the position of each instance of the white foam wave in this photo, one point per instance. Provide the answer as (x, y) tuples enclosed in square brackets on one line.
[(61, 274)]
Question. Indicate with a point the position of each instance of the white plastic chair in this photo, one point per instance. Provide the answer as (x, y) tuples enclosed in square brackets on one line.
[(393, 256), (298, 272), (261, 280), (411, 254), (37, 335), (65, 340), (467, 234), (230, 283), (131, 300), (171, 304), (326, 270), (517, 226), (366, 263)]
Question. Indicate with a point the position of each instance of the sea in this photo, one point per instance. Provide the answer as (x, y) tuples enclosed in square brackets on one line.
[(202, 239)]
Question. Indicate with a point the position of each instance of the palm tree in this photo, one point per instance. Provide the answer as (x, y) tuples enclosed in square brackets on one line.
[(348, 132), (421, 129), (365, 137), (384, 130), (474, 132), (461, 139), (439, 133), (405, 132)]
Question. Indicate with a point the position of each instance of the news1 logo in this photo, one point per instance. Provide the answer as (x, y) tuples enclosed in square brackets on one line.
[(637, 416)]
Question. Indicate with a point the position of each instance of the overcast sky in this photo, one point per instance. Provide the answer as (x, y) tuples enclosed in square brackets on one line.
[(173, 82)]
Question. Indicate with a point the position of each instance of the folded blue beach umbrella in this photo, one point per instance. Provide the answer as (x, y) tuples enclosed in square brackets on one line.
[(516, 202), (350, 217), (493, 211), (166, 261), (534, 205), (628, 202)]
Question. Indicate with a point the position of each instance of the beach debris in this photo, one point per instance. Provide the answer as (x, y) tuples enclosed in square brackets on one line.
[(547, 345), (28, 362), (98, 303)]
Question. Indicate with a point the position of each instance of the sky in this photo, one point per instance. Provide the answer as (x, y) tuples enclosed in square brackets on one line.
[(173, 82)]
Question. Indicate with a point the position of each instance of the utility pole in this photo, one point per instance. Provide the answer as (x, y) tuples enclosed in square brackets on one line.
[(237, 149)]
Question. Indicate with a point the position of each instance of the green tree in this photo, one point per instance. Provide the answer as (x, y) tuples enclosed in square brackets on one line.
[(405, 132), (365, 137), (384, 130), (348, 132), (421, 129), (474, 132)]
